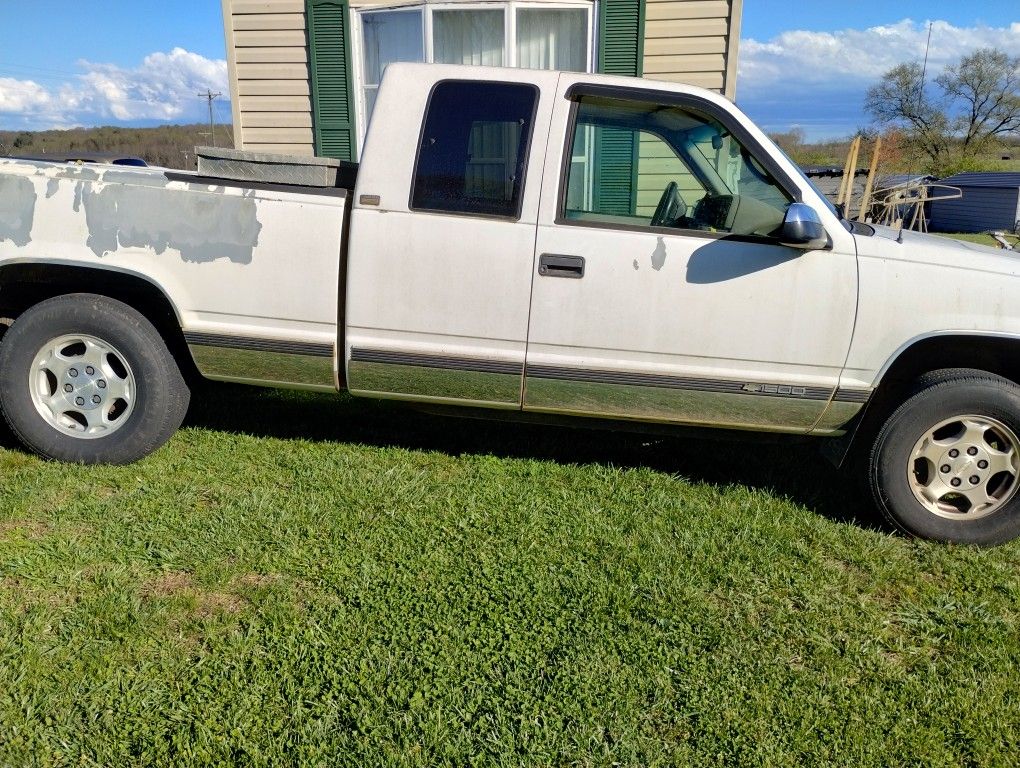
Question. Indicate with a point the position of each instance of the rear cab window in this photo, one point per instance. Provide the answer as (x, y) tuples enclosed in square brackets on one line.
[(473, 149)]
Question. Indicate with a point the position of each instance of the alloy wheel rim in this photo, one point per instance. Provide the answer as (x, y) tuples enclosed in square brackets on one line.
[(82, 386), (965, 468)]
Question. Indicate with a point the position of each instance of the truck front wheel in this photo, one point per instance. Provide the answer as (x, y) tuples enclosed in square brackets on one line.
[(946, 465), (87, 379)]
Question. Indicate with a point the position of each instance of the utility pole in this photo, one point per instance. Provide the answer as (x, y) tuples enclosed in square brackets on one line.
[(210, 97)]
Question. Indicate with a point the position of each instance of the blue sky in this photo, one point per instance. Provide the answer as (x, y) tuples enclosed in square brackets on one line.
[(54, 34), (767, 18), (809, 64), (803, 64)]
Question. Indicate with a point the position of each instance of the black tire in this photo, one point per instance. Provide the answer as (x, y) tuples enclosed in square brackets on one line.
[(942, 396), (932, 378), (159, 395)]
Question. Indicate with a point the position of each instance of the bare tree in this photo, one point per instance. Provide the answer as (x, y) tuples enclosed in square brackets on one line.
[(987, 85), (970, 105)]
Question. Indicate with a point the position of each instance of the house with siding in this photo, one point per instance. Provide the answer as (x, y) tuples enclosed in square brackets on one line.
[(304, 73)]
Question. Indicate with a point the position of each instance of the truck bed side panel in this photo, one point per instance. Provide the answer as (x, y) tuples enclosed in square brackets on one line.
[(253, 273)]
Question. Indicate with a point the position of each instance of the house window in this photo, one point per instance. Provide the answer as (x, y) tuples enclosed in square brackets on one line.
[(556, 38), (469, 37), (508, 34), (387, 37)]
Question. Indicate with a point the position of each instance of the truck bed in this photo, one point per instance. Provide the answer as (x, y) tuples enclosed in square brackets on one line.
[(248, 266)]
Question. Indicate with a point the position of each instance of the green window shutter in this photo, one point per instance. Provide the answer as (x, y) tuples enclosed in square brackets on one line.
[(615, 171), (622, 37), (329, 48), (621, 52)]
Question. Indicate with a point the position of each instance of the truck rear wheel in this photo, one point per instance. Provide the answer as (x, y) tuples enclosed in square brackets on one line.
[(87, 379), (946, 464)]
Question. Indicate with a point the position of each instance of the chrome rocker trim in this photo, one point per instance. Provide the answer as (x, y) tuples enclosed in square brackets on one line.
[(617, 394), (263, 362)]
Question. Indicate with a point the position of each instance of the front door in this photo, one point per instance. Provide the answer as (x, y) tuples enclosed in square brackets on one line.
[(660, 292)]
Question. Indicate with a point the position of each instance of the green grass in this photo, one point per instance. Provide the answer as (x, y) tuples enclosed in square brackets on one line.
[(358, 584), (980, 239)]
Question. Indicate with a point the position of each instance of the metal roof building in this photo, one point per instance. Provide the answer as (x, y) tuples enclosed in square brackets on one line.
[(990, 201)]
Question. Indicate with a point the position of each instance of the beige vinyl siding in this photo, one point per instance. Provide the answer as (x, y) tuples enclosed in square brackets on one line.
[(693, 42), (267, 50), (657, 166)]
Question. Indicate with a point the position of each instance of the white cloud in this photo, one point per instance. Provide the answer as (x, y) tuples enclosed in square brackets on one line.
[(19, 96), (164, 87), (863, 54), (818, 79)]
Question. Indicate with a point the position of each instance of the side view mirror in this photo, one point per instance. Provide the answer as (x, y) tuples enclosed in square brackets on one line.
[(802, 228)]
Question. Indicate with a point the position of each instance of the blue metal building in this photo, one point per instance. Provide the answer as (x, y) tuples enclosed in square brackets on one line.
[(990, 201)]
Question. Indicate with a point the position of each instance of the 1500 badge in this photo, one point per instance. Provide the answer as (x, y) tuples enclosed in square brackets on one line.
[(775, 389)]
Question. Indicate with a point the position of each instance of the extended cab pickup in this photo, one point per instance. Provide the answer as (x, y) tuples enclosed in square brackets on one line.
[(552, 244)]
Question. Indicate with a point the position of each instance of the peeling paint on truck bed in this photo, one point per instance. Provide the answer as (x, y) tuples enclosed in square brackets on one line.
[(201, 227), (17, 209)]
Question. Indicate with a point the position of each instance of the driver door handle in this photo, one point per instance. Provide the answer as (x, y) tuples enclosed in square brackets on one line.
[(558, 265)]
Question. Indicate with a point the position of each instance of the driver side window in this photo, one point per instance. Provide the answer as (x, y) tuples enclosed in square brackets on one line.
[(650, 165)]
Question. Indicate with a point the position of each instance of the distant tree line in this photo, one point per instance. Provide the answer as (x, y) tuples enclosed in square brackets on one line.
[(895, 156), (171, 146)]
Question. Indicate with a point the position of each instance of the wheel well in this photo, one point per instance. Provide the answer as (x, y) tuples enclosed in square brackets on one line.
[(24, 285), (996, 355)]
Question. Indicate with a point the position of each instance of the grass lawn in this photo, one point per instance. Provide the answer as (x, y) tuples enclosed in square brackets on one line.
[(313, 580), (978, 238)]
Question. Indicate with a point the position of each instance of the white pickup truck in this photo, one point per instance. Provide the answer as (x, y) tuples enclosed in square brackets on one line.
[(553, 244)]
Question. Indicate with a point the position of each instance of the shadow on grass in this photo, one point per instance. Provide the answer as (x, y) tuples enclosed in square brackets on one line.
[(788, 467)]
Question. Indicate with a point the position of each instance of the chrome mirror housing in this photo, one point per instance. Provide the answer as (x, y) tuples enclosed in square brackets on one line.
[(802, 228)]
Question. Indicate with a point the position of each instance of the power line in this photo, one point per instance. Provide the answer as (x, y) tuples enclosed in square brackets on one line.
[(12, 65), (227, 124), (25, 77)]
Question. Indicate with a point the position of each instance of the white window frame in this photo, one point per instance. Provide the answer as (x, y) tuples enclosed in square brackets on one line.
[(426, 8), (357, 54)]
